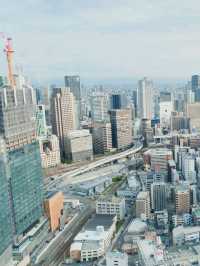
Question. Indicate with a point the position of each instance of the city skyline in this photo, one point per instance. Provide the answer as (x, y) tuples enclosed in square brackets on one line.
[(156, 39)]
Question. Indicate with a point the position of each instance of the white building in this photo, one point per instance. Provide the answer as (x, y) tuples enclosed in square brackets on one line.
[(95, 239), (188, 168), (145, 98), (166, 108), (182, 235), (116, 258), (143, 205), (100, 107), (113, 206), (49, 151), (78, 145)]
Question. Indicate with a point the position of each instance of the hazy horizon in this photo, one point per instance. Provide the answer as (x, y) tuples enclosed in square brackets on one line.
[(103, 40)]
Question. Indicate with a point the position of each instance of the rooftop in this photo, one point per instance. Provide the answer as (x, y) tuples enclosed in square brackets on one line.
[(99, 220), (78, 133)]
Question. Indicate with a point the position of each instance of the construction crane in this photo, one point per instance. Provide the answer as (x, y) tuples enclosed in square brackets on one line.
[(9, 54)]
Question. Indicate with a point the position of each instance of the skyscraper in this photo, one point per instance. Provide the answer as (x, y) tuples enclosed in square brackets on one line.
[(17, 126), (63, 114), (145, 98), (5, 210), (196, 87), (158, 196), (116, 101), (166, 108), (121, 124), (102, 137), (73, 82), (99, 107), (182, 196)]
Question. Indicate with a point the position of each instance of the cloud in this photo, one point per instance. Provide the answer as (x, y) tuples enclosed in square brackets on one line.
[(104, 38)]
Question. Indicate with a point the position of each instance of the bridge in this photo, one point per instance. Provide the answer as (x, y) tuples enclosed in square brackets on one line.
[(109, 159)]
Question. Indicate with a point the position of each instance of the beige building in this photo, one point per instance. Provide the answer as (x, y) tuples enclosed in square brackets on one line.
[(63, 113), (121, 123), (102, 137), (53, 206), (182, 196), (143, 205), (49, 151), (159, 159), (192, 112), (145, 98), (78, 145)]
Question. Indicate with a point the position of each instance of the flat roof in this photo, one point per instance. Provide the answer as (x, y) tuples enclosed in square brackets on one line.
[(99, 220)]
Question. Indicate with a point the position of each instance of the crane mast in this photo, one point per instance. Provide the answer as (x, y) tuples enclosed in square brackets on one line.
[(9, 54)]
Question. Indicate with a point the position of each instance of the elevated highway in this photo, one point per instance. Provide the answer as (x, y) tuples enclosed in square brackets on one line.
[(104, 161)]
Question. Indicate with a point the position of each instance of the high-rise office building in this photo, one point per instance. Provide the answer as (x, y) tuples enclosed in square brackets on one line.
[(195, 81), (121, 123), (192, 112), (5, 210), (17, 126), (182, 197), (73, 82), (146, 131), (158, 196), (62, 114), (17, 116), (166, 108), (102, 137), (159, 159), (145, 98), (116, 101), (100, 107)]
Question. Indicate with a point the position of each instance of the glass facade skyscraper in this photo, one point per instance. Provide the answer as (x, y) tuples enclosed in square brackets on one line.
[(21, 186), (5, 210), (26, 186)]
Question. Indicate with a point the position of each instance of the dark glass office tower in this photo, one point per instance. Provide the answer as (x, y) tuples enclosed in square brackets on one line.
[(5, 210), (116, 101), (73, 82), (196, 87), (26, 186)]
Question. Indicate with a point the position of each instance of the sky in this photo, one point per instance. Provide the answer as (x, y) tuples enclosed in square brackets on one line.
[(103, 39)]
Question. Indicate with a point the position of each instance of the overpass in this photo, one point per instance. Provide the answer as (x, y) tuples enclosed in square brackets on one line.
[(101, 162)]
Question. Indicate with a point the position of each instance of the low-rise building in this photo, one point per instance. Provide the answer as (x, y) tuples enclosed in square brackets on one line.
[(152, 254), (94, 239), (111, 206), (185, 235), (93, 187), (116, 258)]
